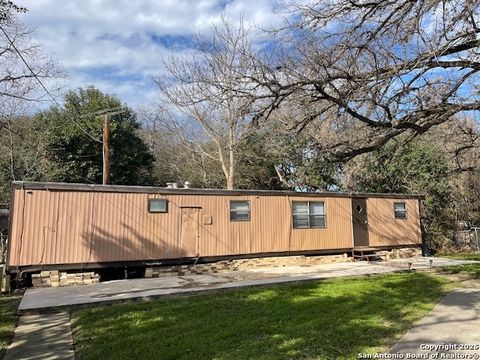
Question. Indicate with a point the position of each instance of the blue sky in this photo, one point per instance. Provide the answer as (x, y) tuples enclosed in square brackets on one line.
[(117, 45)]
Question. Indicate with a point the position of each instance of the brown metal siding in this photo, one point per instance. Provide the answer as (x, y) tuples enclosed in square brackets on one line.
[(16, 224), (73, 227), (338, 231), (385, 230)]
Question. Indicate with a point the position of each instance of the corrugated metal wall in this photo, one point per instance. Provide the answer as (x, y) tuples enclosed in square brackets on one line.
[(385, 230), (66, 227), (338, 232)]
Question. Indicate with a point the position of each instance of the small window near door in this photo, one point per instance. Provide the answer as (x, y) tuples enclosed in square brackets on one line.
[(239, 210), (400, 210), (157, 205), (308, 214)]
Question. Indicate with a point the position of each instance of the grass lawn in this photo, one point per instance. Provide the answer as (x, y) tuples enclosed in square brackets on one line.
[(8, 319), (315, 320), (472, 270)]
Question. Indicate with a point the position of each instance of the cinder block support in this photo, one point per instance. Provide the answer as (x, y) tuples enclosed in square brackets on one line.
[(54, 278)]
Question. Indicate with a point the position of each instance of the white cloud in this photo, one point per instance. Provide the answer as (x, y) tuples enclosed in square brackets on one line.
[(108, 43)]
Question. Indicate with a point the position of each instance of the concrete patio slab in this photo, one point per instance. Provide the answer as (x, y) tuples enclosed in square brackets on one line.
[(44, 298), (43, 337), (450, 331)]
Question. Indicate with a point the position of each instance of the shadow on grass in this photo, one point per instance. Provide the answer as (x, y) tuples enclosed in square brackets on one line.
[(471, 270), (322, 320), (8, 319)]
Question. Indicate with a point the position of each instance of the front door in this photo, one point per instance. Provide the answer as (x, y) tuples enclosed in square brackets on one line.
[(189, 232), (360, 222)]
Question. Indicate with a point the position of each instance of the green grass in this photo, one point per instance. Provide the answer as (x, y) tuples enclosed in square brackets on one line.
[(314, 320), (471, 270), (461, 256), (8, 320)]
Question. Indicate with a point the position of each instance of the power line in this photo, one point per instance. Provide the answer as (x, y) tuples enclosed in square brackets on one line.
[(113, 111), (43, 86)]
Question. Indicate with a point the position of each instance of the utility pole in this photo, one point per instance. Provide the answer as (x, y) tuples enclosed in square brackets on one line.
[(106, 148), (106, 140), (106, 113)]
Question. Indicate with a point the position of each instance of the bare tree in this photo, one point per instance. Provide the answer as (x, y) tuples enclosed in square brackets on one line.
[(203, 86), (24, 67), (178, 150), (460, 138), (161, 142), (393, 69), (8, 9), (22, 63)]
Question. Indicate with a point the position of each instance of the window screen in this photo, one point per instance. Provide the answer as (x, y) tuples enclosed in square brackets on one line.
[(308, 214), (400, 210), (157, 205), (239, 211), (300, 215)]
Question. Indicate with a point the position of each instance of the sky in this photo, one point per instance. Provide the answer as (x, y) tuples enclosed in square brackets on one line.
[(117, 45)]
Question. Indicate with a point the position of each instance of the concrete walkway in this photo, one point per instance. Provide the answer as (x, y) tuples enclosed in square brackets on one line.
[(43, 298), (46, 336), (452, 323)]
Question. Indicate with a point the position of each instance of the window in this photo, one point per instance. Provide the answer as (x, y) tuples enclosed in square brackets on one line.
[(157, 205), (239, 211), (400, 210), (308, 214)]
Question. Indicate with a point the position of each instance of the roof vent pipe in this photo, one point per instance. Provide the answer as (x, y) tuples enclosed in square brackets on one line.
[(186, 185)]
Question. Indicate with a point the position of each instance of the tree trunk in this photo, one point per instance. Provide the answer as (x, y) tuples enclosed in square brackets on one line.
[(231, 158), (12, 152)]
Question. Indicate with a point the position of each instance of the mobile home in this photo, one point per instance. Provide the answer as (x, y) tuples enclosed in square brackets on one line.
[(72, 226)]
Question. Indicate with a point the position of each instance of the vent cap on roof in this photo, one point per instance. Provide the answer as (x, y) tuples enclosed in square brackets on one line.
[(172, 185)]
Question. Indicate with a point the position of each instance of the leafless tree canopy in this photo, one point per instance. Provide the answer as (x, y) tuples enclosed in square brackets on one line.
[(204, 87), (23, 64), (8, 9), (389, 67), (17, 80)]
